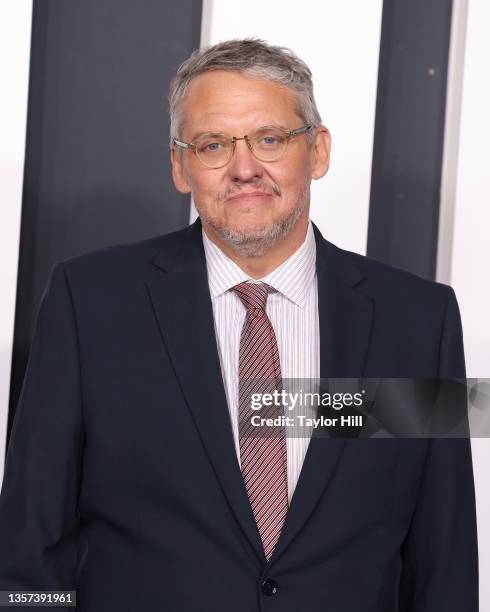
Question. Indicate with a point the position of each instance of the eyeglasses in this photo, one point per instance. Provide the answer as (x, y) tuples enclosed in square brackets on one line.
[(267, 144)]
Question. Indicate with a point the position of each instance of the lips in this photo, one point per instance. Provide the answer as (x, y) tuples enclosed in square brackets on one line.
[(248, 195)]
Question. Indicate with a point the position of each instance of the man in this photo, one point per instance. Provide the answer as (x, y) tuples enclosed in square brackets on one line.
[(130, 476)]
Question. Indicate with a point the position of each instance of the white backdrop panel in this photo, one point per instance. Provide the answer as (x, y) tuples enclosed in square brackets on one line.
[(15, 43), (340, 43), (471, 247), (471, 243)]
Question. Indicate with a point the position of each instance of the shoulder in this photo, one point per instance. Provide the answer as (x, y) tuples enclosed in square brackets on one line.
[(416, 325), (122, 261), (406, 310), (382, 282)]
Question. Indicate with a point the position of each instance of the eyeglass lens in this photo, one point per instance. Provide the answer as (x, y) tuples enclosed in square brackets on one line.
[(215, 150)]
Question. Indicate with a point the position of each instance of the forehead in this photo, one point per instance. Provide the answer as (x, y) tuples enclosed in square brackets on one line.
[(229, 101)]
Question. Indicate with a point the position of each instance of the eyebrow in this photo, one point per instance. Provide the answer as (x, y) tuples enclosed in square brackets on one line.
[(210, 132), (217, 133)]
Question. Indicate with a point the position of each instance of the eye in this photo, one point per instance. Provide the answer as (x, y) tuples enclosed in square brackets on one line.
[(270, 140), (213, 146)]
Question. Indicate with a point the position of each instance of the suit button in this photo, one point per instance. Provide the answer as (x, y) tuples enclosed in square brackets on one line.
[(269, 587)]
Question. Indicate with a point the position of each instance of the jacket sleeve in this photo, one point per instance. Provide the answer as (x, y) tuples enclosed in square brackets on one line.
[(39, 527), (440, 552)]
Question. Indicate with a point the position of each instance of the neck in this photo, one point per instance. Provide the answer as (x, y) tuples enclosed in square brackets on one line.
[(261, 265)]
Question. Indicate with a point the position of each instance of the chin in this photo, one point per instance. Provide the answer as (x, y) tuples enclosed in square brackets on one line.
[(254, 234), (249, 223), (249, 230)]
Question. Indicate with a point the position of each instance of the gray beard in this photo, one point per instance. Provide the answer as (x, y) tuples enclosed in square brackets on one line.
[(258, 243)]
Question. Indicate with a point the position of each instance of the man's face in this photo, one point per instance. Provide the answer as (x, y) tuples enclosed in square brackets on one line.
[(249, 204)]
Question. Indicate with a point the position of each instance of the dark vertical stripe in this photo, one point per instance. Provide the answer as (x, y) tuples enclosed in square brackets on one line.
[(409, 134), (97, 168)]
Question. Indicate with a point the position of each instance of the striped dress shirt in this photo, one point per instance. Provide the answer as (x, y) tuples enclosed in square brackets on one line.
[(293, 311)]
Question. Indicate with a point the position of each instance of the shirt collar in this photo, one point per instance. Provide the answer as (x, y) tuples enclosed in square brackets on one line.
[(293, 278)]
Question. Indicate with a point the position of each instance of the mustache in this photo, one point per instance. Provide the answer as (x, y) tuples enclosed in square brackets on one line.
[(235, 190)]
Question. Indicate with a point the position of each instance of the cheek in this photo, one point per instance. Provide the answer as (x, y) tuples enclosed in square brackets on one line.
[(292, 182), (205, 187)]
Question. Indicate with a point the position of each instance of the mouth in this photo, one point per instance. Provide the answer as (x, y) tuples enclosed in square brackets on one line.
[(250, 196)]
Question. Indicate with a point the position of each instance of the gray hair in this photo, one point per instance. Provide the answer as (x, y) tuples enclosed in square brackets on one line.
[(256, 59)]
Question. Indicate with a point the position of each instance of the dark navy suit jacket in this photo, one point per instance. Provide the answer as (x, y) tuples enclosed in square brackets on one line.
[(122, 480)]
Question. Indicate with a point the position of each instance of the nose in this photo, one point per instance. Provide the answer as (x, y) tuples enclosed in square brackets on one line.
[(243, 166)]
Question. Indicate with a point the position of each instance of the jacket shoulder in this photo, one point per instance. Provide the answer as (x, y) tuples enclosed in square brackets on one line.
[(379, 278), (121, 259)]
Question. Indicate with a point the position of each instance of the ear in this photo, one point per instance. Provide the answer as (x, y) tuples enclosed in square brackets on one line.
[(178, 173), (321, 152)]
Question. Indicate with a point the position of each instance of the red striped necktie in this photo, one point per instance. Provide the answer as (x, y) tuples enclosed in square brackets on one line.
[(263, 457)]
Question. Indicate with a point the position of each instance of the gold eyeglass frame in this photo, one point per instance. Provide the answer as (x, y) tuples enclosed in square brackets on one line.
[(233, 140)]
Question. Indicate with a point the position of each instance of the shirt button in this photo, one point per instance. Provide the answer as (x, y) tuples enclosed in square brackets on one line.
[(269, 587)]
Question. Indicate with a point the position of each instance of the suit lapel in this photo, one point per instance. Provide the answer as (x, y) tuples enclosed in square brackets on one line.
[(183, 309), (345, 325)]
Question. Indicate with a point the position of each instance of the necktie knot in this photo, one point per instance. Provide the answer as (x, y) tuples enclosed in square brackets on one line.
[(253, 296)]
